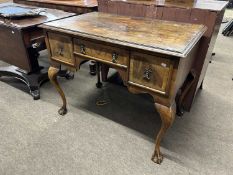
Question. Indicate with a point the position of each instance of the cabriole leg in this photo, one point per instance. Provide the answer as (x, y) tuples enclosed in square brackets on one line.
[(167, 115), (52, 73)]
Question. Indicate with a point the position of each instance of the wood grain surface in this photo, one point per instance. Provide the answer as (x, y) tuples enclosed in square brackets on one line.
[(150, 71), (107, 53), (152, 35), (61, 48)]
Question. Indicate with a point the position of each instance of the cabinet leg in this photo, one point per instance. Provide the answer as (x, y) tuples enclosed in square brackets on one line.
[(99, 83), (92, 67), (104, 72), (167, 115), (52, 73)]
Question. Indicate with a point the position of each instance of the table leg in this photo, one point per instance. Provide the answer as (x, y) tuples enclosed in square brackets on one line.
[(104, 72), (98, 84), (52, 73), (167, 115), (92, 67)]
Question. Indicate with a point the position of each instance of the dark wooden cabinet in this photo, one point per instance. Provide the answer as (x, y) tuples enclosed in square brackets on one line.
[(20, 41)]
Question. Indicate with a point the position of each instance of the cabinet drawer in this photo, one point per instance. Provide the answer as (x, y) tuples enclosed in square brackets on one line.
[(150, 72), (99, 52), (61, 48)]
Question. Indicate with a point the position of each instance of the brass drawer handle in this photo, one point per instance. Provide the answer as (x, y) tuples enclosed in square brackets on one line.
[(83, 49), (147, 73), (114, 57), (60, 52)]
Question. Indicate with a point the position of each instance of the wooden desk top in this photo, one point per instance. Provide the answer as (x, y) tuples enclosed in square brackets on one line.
[(49, 15), (166, 37), (213, 5)]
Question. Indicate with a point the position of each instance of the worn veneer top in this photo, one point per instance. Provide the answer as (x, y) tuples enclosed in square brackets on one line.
[(214, 5), (167, 37)]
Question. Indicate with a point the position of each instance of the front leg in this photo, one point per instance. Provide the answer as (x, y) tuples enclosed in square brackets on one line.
[(52, 73), (167, 115)]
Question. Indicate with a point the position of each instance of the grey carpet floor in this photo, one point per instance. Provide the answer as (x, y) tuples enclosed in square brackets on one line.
[(117, 139)]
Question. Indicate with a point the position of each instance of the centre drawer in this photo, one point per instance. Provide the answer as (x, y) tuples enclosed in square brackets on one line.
[(150, 72), (100, 52)]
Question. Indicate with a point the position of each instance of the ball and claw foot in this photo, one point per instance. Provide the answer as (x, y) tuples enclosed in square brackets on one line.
[(35, 94), (62, 111), (157, 158)]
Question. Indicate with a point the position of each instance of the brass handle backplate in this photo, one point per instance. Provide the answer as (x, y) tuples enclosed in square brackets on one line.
[(82, 49), (114, 57), (147, 73)]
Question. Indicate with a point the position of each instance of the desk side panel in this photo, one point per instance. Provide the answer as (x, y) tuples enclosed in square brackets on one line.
[(205, 55), (12, 48)]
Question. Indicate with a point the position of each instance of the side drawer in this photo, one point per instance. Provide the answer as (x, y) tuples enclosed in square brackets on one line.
[(61, 48), (150, 72), (107, 54)]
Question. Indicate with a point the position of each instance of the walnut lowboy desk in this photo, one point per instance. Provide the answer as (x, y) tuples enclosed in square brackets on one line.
[(152, 56)]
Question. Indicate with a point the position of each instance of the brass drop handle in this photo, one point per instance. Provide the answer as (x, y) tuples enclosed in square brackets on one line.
[(83, 49), (114, 57), (147, 73), (60, 51)]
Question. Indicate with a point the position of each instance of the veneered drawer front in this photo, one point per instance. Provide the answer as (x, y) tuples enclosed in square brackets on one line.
[(150, 72), (99, 52), (61, 48)]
